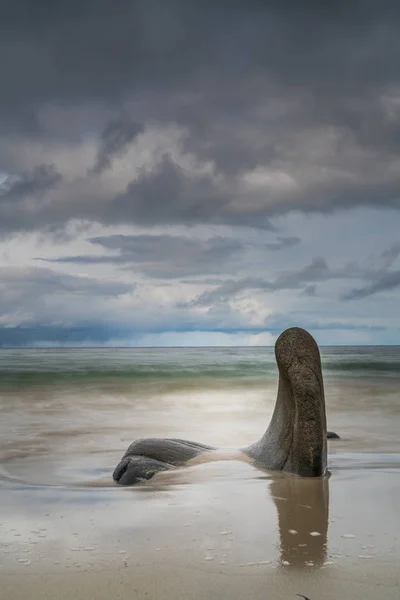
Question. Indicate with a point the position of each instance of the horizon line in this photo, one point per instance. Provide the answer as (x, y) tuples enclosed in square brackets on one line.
[(104, 347)]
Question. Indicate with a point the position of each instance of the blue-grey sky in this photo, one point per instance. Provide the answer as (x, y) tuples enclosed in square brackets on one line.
[(199, 173)]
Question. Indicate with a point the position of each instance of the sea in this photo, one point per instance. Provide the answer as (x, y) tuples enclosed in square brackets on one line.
[(65, 412)]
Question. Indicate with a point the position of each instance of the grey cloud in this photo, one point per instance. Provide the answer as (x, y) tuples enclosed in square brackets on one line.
[(35, 183), (388, 257), (281, 107), (204, 281), (310, 290), (282, 242), (307, 91), (42, 305), (116, 48), (24, 199), (374, 269), (165, 194), (164, 256), (317, 270), (388, 281), (92, 333), (28, 280), (229, 288), (87, 333), (376, 272), (278, 322), (116, 137), (170, 194)]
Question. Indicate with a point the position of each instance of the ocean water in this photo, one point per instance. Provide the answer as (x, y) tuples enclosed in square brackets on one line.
[(66, 415)]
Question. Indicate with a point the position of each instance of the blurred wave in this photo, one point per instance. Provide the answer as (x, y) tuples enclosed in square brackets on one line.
[(25, 368)]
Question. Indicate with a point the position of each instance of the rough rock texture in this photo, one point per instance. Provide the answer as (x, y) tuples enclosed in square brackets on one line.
[(295, 440)]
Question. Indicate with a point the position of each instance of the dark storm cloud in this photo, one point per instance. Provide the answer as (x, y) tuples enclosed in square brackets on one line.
[(162, 255), (23, 196), (170, 194), (91, 48), (116, 137), (378, 275), (317, 270), (388, 281), (308, 90), (374, 271), (29, 184)]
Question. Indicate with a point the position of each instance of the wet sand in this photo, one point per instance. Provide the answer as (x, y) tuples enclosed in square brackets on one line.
[(171, 581), (218, 530)]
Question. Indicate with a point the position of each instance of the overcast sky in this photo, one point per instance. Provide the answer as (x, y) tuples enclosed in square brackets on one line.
[(183, 172)]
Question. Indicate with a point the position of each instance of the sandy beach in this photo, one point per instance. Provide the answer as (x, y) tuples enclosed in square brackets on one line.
[(219, 530), (215, 530)]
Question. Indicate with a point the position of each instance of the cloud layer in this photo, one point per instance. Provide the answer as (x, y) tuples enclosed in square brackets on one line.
[(221, 166)]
